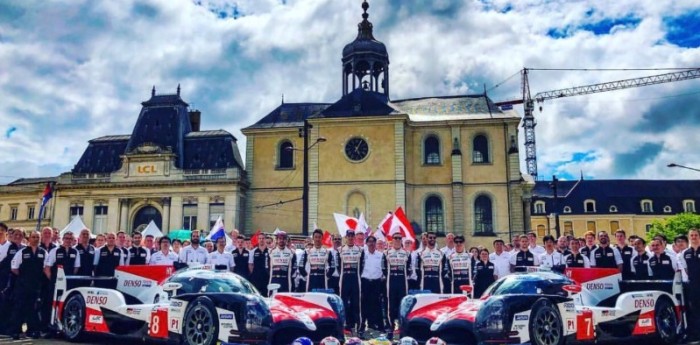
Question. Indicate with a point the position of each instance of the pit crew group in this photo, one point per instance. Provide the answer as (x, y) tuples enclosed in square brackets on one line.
[(364, 271)]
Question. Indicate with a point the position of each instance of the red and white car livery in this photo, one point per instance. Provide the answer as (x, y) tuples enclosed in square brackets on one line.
[(193, 306), (545, 308)]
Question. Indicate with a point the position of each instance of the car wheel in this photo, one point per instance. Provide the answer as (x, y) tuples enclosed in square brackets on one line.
[(73, 317), (545, 324), (665, 319), (201, 323)]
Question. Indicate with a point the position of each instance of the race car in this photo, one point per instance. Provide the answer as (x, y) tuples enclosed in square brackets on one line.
[(546, 308), (194, 307)]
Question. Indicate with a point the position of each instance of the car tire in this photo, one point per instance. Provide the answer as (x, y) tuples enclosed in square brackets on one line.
[(73, 318), (546, 327), (201, 323), (666, 321)]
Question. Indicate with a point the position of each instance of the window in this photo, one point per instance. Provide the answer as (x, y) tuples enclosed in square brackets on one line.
[(215, 211), (189, 217), (30, 212), (540, 231), (590, 226), (76, 211), (689, 205), (646, 206), (286, 155), (99, 225), (481, 149), (568, 228), (567, 209), (613, 209), (589, 206), (483, 215), (539, 207), (647, 227), (434, 215), (667, 209), (13, 213), (431, 150), (614, 226)]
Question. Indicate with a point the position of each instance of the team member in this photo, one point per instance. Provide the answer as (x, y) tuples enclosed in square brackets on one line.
[(576, 259), (177, 246), (7, 254), (551, 258), (194, 253), (86, 252), (398, 262), (220, 258), (372, 277), (524, 258), (663, 266), (240, 257), (460, 266), (500, 258), (28, 267), (209, 246), (282, 264), (334, 279), (640, 261), (164, 256), (122, 245), (47, 243), (100, 240), (316, 264), (626, 252), (138, 255), (690, 262), (149, 244), (259, 265), (605, 256), (449, 247), (563, 245), (107, 258), (534, 248), (350, 262), (432, 266), (65, 256), (590, 245), (234, 242), (485, 273)]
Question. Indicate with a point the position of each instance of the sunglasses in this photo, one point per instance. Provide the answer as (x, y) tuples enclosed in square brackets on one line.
[(431, 237)]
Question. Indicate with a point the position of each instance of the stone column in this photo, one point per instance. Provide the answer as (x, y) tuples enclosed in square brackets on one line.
[(89, 213), (113, 215), (203, 213), (230, 211), (123, 214), (175, 214), (165, 227)]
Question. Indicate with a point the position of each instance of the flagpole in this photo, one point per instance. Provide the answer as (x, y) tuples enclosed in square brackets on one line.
[(41, 214)]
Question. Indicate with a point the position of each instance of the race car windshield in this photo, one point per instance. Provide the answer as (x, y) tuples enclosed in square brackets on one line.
[(526, 284), (213, 284)]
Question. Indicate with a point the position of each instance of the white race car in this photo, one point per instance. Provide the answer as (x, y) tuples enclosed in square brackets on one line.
[(193, 307)]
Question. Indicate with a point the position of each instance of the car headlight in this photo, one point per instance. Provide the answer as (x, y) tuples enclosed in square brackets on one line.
[(257, 317), (407, 304), (337, 305), (491, 317)]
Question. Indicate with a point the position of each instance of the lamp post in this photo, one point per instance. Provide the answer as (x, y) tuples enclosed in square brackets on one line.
[(304, 133), (674, 165), (554, 183)]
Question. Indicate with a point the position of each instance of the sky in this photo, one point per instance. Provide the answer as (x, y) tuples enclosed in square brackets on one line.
[(73, 70)]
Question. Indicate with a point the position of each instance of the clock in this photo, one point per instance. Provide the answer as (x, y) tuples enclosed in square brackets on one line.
[(356, 149)]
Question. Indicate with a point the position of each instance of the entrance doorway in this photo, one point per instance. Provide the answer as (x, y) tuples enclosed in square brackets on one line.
[(144, 216)]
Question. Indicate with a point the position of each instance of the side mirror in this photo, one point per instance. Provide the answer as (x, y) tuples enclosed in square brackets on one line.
[(572, 288), (467, 289), (170, 287), (272, 288)]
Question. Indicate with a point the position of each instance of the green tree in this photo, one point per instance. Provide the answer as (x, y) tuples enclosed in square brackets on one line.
[(674, 225)]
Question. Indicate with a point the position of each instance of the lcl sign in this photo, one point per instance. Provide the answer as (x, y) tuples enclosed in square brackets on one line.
[(146, 169)]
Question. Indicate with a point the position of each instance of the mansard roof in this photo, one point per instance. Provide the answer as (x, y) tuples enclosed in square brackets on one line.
[(289, 115)]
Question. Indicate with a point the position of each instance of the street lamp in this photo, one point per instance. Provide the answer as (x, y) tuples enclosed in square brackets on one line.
[(674, 165), (304, 133), (554, 183)]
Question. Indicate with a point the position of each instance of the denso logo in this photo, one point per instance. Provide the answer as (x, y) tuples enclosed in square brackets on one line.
[(644, 303), (96, 300), (135, 283), (599, 286)]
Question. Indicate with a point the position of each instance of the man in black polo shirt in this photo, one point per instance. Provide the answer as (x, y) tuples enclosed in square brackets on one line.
[(240, 257), (690, 262), (107, 258), (524, 258), (663, 266), (7, 254), (640, 261), (605, 256), (64, 255), (576, 259), (586, 250), (626, 253), (138, 255), (28, 267)]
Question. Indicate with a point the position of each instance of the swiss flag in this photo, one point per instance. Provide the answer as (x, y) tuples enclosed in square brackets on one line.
[(327, 240), (254, 239), (400, 223), (344, 223)]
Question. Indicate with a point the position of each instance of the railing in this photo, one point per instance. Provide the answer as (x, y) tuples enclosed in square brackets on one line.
[(97, 177)]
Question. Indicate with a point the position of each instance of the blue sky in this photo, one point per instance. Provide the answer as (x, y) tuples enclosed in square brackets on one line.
[(76, 70)]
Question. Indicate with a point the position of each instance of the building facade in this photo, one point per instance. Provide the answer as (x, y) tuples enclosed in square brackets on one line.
[(167, 171), (609, 205), (451, 162)]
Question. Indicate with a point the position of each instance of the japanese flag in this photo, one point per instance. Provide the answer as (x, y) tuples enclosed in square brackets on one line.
[(344, 223)]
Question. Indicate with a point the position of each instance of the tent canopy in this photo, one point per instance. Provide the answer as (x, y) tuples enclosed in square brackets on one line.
[(75, 226), (152, 229), (180, 234)]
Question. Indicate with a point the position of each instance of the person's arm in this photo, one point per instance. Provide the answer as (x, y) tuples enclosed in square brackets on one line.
[(49, 261), (251, 260), (586, 262), (231, 262), (592, 257), (16, 262), (618, 259), (148, 254), (513, 260), (77, 262)]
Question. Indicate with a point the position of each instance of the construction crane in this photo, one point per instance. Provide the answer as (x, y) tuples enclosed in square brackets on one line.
[(528, 102)]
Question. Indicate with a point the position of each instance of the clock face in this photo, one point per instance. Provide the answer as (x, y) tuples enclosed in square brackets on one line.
[(356, 149)]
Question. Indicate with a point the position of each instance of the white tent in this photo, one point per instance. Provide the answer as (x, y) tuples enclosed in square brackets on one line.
[(152, 229), (75, 226)]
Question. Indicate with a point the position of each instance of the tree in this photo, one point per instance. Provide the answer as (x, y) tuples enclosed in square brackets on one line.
[(674, 225)]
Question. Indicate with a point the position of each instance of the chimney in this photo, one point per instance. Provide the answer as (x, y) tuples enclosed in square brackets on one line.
[(195, 119)]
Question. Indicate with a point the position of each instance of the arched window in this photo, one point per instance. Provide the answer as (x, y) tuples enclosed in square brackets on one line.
[(689, 205), (434, 215), (647, 206), (539, 207), (483, 215), (567, 209), (481, 149), (431, 150), (286, 155), (667, 209), (589, 206), (613, 209)]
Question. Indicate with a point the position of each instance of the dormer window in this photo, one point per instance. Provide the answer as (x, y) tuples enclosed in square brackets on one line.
[(689, 206), (613, 209), (567, 209), (589, 206), (667, 209), (540, 207), (647, 206)]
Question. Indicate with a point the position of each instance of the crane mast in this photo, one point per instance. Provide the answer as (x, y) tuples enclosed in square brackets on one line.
[(528, 102)]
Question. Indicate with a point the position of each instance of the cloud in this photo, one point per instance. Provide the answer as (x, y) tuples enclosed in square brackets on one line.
[(81, 68)]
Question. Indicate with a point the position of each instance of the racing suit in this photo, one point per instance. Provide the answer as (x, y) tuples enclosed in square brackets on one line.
[(316, 268), (350, 264), (398, 262), (283, 262), (432, 266), (460, 265)]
